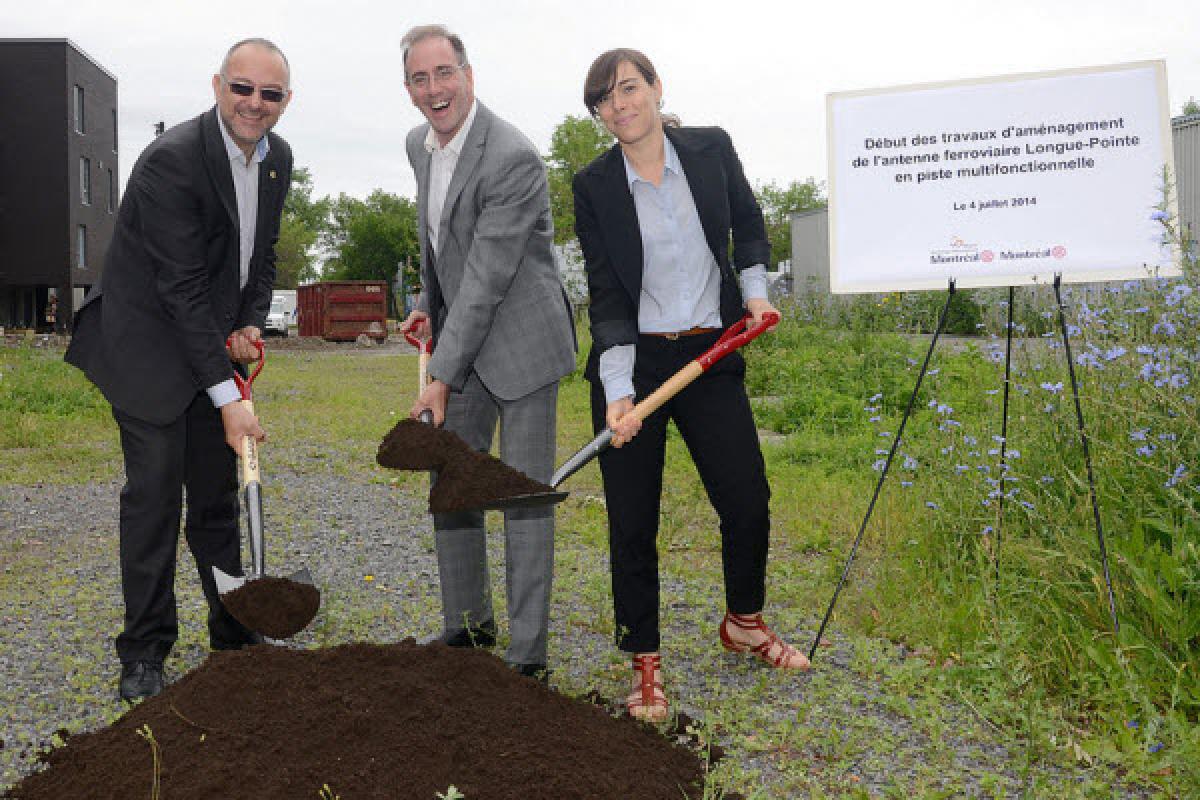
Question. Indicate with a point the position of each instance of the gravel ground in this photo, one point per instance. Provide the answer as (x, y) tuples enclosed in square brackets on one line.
[(850, 726)]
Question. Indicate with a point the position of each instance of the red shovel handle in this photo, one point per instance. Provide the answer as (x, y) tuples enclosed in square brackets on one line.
[(243, 384), (734, 337), (425, 346), (730, 340)]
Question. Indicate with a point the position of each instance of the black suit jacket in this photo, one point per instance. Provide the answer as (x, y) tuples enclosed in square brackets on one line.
[(151, 333), (607, 227)]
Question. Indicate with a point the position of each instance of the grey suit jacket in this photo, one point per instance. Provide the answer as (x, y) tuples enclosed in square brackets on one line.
[(492, 290)]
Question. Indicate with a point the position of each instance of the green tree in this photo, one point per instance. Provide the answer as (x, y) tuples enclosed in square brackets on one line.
[(573, 145), (778, 205), (368, 239), (303, 221), (1191, 107)]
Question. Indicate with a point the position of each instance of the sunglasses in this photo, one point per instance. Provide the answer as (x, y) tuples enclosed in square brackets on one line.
[(246, 90)]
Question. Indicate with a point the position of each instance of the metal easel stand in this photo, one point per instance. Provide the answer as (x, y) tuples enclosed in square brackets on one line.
[(1003, 436), (1087, 457), (883, 475)]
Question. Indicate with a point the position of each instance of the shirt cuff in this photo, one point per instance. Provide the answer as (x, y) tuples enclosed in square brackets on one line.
[(224, 393), (616, 371), (754, 282)]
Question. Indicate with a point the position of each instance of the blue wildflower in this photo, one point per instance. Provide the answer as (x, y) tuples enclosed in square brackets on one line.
[(1047, 479), (1138, 434), (931, 504), (1146, 450), (1179, 472), (1178, 381), (1053, 388)]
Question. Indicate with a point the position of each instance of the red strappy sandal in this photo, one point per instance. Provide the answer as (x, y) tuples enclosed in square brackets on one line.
[(771, 650), (648, 702)]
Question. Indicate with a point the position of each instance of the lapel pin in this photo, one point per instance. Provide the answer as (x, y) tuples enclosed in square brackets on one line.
[(272, 174)]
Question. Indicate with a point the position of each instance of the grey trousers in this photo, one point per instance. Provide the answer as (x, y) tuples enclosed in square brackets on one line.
[(526, 443)]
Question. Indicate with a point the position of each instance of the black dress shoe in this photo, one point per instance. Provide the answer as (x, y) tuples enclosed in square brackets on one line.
[(140, 679), (483, 636), (536, 671)]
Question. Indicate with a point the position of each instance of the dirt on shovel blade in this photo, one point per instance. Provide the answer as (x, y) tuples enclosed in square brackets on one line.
[(467, 479), (370, 721), (275, 607)]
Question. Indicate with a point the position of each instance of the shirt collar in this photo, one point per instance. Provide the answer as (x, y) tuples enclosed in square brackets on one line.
[(261, 148), (455, 145), (670, 163)]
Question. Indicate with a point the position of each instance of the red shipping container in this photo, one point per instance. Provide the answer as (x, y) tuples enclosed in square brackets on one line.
[(341, 311)]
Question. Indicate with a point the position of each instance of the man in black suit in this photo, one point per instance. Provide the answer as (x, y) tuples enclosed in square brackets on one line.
[(190, 266)]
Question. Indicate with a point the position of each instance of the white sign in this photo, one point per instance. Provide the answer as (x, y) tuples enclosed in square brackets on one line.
[(1001, 181)]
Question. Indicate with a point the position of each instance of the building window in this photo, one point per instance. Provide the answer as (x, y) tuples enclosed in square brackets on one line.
[(79, 122), (112, 193), (114, 130), (85, 181), (81, 246)]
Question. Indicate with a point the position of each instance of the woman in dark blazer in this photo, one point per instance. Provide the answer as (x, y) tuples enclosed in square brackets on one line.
[(654, 216)]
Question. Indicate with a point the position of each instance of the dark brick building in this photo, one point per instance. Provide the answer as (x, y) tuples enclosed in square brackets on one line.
[(58, 179)]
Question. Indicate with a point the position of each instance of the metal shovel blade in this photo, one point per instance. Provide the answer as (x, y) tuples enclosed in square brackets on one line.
[(533, 500), (228, 583)]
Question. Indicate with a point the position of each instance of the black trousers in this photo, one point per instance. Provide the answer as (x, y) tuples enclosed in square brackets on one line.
[(160, 462), (713, 415)]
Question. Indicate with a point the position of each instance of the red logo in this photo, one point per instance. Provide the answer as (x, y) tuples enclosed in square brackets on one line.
[(987, 256), (1058, 251)]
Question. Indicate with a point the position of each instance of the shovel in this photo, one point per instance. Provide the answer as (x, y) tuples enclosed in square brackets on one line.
[(297, 618), (733, 338), (529, 500)]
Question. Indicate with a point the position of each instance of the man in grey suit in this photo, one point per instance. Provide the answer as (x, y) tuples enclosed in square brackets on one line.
[(501, 325)]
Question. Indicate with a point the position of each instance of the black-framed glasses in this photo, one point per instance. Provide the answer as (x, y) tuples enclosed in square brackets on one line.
[(441, 74), (246, 89)]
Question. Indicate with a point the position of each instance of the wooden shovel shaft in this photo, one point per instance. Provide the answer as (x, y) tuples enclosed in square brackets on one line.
[(252, 485), (671, 387)]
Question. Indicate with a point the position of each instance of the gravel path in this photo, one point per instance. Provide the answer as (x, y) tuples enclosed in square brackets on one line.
[(860, 722)]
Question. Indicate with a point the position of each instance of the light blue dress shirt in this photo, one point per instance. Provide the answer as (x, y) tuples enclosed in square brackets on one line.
[(245, 191), (681, 282)]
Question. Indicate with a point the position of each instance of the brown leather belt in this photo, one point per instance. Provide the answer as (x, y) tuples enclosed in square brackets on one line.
[(676, 334)]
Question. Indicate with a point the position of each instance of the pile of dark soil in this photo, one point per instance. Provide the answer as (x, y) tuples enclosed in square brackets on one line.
[(467, 478), (275, 607), (370, 721)]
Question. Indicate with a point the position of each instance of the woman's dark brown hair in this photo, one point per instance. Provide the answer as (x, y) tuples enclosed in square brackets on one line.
[(603, 74)]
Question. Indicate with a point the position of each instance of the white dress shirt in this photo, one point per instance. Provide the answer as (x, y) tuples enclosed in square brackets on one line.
[(443, 160)]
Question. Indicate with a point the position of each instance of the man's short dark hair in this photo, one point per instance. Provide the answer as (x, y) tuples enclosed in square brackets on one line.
[(422, 32)]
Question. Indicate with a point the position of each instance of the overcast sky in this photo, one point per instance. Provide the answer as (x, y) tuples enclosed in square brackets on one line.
[(759, 69)]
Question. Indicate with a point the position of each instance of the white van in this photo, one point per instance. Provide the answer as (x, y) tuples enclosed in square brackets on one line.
[(283, 312)]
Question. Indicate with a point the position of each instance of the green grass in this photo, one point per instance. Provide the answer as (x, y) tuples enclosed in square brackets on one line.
[(1028, 657)]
